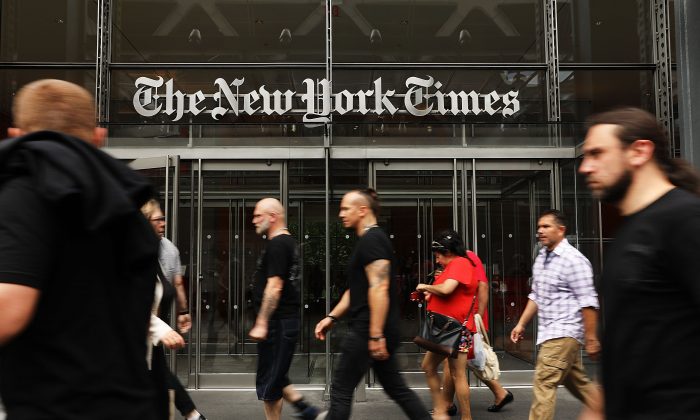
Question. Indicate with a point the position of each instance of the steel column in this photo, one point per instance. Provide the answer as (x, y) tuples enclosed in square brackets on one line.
[(688, 59), (662, 58), (104, 26)]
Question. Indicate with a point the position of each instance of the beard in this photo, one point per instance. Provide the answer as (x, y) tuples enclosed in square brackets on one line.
[(617, 191), (262, 227)]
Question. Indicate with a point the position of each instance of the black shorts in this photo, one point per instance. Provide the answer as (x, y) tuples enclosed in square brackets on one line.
[(274, 358)]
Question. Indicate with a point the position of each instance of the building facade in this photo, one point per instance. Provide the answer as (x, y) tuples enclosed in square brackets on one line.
[(463, 114)]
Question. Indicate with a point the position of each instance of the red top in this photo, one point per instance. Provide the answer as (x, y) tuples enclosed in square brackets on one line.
[(480, 275), (457, 303)]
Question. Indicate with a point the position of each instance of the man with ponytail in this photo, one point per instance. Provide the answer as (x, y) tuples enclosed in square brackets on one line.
[(650, 290)]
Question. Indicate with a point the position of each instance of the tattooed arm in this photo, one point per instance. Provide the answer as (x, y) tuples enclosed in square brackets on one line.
[(378, 295), (271, 297)]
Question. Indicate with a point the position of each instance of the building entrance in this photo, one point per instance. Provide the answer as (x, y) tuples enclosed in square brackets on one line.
[(209, 205), (494, 205)]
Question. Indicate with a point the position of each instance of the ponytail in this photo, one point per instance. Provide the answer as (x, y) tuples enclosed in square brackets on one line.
[(681, 174)]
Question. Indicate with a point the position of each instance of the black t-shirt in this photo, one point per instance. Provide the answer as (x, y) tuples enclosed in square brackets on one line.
[(372, 246), (83, 354), (280, 258), (651, 309)]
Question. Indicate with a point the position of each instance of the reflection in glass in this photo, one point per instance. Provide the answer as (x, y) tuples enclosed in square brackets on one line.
[(603, 31), (185, 83), (13, 80), (508, 203), (488, 31), (416, 205), (40, 30), (229, 253), (584, 92), (219, 31)]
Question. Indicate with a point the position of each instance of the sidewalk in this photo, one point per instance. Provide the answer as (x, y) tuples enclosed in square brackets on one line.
[(229, 405)]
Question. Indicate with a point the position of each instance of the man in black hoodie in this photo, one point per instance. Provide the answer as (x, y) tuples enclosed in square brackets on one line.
[(77, 266)]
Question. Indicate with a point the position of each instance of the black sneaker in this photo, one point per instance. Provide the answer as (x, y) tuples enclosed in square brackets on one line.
[(309, 413), (451, 410)]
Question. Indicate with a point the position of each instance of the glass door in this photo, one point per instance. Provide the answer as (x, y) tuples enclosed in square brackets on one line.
[(418, 200), (509, 198), (227, 250), (164, 174)]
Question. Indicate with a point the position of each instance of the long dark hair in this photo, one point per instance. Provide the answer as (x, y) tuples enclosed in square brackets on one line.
[(636, 124), (450, 241)]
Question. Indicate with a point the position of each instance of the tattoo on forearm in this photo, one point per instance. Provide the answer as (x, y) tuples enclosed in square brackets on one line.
[(378, 273)]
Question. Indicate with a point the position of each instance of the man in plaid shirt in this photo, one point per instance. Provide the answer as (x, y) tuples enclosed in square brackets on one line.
[(566, 303)]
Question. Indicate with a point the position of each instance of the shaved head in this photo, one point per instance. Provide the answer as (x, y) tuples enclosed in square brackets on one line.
[(356, 198), (268, 216), (55, 105), (271, 205)]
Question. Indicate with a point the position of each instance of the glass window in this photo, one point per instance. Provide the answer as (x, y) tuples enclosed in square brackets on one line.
[(603, 31), (585, 92), (437, 117), (219, 31), (48, 31), (184, 111), (12, 80), (490, 31), (185, 86)]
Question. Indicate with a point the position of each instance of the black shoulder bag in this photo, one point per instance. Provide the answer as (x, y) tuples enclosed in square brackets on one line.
[(441, 333)]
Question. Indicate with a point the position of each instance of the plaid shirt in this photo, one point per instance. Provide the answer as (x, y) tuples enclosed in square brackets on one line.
[(562, 285)]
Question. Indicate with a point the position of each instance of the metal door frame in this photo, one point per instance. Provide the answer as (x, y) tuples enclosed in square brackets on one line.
[(516, 377), (171, 213), (229, 379)]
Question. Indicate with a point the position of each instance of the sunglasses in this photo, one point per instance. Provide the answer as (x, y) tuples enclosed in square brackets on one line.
[(438, 247)]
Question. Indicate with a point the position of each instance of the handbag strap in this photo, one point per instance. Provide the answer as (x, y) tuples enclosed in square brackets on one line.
[(481, 329), (471, 308)]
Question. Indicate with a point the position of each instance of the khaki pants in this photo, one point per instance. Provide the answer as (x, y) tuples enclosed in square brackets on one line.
[(559, 362)]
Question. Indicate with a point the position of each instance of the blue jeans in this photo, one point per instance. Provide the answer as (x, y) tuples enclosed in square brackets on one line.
[(275, 357), (353, 364)]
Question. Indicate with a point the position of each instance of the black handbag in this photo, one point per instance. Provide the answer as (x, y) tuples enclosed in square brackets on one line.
[(441, 333)]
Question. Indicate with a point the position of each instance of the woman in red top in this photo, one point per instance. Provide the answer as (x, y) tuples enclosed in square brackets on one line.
[(452, 294)]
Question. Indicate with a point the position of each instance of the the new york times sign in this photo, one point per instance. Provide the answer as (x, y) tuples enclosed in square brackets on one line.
[(423, 96)]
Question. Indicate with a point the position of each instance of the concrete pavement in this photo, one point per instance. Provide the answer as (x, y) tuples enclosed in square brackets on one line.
[(230, 405)]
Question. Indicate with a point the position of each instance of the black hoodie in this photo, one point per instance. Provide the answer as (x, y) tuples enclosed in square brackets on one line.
[(70, 226)]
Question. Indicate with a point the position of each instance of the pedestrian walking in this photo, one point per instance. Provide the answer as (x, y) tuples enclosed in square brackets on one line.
[(650, 289), (78, 266), (277, 301), (370, 301), (173, 286), (502, 396), (566, 305)]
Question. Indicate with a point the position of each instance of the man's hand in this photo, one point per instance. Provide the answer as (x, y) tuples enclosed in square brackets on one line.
[(377, 349), (422, 287), (184, 323), (322, 328), (258, 332), (592, 348), (173, 340), (517, 334)]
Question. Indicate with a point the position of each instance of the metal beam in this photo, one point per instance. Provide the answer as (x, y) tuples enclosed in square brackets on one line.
[(688, 59), (104, 26), (662, 58)]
